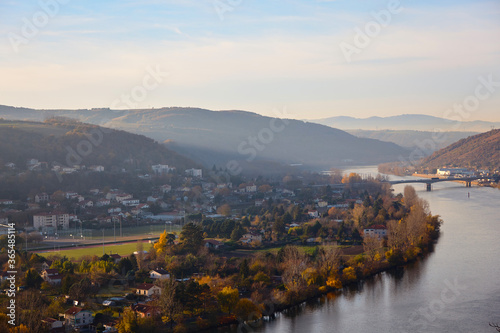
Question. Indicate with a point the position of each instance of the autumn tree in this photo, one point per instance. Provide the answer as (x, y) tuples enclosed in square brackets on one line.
[(371, 246), (167, 301), (246, 310), (128, 322), (161, 244), (328, 260), (294, 263), (224, 210), (228, 298)]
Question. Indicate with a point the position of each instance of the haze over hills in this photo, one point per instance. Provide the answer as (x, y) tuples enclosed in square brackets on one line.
[(63, 143), (412, 122), (480, 151), (220, 137), (412, 139)]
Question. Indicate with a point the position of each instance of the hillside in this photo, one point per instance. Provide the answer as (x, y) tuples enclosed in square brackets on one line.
[(414, 122), (481, 151), (412, 139), (218, 137), (63, 142)]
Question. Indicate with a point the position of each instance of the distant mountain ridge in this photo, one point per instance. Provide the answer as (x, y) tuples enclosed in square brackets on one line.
[(223, 137), (415, 122), (412, 139), (479, 151)]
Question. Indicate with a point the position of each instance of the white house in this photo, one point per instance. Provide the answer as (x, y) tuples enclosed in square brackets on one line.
[(251, 188), (159, 274), (130, 202), (76, 317), (313, 214), (251, 237), (378, 231), (148, 289), (6, 202), (52, 276)]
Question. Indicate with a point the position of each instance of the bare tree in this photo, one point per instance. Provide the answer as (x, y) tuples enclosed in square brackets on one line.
[(410, 196), (396, 234), (167, 302), (328, 260), (294, 263), (371, 246), (495, 326)]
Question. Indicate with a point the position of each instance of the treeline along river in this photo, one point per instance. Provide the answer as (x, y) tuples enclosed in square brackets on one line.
[(454, 289)]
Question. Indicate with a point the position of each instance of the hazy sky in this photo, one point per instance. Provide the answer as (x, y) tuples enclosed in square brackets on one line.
[(254, 55)]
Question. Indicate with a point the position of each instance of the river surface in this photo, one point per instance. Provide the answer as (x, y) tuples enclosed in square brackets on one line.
[(454, 289)]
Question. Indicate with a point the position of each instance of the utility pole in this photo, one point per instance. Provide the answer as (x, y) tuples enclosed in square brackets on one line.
[(114, 229)]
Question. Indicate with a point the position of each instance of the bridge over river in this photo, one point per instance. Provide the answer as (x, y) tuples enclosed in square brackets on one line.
[(429, 181)]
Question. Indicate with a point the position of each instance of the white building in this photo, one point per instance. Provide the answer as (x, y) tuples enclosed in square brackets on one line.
[(51, 220), (76, 317), (194, 172), (130, 202), (159, 273), (148, 289), (161, 169), (378, 231), (454, 172)]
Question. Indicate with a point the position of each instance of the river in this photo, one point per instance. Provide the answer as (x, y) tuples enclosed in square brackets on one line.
[(454, 289)]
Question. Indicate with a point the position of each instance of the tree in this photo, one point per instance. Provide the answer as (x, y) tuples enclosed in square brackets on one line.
[(246, 310), (328, 260), (224, 210), (167, 302), (410, 196), (191, 238), (294, 263), (161, 244), (228, 298), (371, 246), (33, 279), (128, 322)]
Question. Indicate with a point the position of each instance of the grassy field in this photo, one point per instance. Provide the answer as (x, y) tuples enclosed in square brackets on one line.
[(76, 253)]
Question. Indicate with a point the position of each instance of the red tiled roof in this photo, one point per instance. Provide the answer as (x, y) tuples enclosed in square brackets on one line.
[(73, 311)]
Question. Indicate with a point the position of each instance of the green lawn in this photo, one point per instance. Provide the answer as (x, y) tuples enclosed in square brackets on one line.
[(76, 253)]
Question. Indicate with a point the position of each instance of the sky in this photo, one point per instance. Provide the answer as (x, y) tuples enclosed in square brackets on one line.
[(314, 58)]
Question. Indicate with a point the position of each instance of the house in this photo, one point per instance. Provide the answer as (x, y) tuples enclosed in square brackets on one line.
[(313, 214), (378, 231), (251, 237), (52, 276), (145, 310), (251, 188), (147, 289), (213, 244), (130, 202), (6, 202), (103, 202), (41, 197), (76, 317), (86, 204), (10, 165), (116, 257), (53, 325), (159, 274), (121, 197), (165, 188)]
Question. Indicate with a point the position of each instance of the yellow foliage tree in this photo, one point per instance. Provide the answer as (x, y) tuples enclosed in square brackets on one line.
[(245, 310), (349, 274), (334, 282), (228, 298), (161, 244)]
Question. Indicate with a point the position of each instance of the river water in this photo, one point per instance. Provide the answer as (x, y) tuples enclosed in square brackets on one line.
[(454, 289)]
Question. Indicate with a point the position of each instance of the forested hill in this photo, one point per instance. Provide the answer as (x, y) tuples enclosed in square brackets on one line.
[(66, 142), (224, 137), (481, 151)]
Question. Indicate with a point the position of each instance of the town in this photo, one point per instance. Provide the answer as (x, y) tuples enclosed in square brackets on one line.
[(209, 249)]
